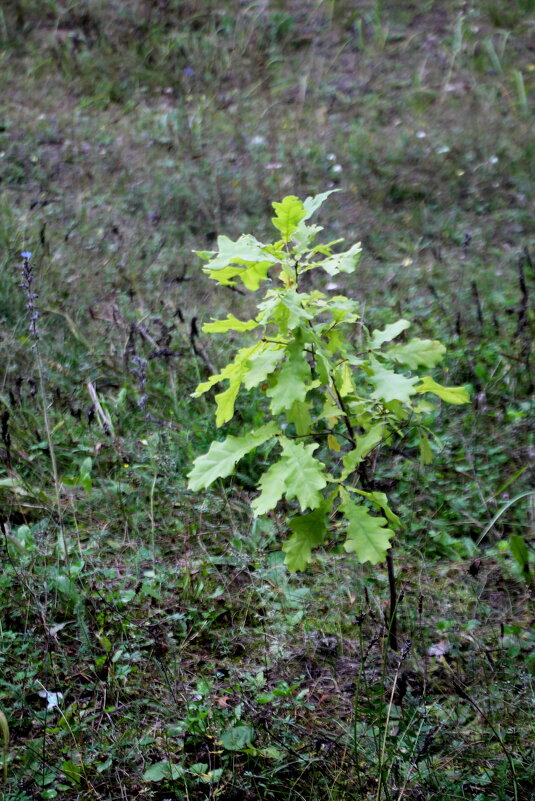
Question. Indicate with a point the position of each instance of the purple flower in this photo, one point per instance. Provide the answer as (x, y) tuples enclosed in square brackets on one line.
[(26, 254), (189, 71)]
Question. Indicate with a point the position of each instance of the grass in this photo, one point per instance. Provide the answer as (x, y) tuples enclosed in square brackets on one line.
[(190, 664)]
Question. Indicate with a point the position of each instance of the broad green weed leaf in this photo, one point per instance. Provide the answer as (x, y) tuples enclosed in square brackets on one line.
[(222, 457), (289, 214), (163, 770), (237, 737), (418, 353), (388, 333), (389, 385), (367, 536), (230, 324), (426, 454), (309, 532), (519, 551), (157, 772), (456, 395), (365, 444), (296, 475)]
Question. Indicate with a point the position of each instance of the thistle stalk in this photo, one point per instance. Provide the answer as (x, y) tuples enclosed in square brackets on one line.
[(27, 279)]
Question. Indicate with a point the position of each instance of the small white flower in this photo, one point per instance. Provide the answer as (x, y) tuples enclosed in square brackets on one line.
[(52, 699), (421, 134)]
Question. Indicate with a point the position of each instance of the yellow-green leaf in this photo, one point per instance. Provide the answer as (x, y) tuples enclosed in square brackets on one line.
[(418, 352), (296, 475), (309, 532), (263, 363), (364, 445), (380, 500), (299, 415), (291, 382), (230, 324), (456, 395), (389, 385), (388, 333), (221, 458), (343, 262), (367, 536), (289, 213), (231, 371)]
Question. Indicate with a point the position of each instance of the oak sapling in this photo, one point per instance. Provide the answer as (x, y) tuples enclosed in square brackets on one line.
[(333, 390)]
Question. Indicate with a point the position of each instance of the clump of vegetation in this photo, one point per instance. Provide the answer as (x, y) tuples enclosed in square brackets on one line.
[(328, 379)]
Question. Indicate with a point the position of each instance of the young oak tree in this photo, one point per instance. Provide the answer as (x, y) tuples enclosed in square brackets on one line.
[(334, 390)]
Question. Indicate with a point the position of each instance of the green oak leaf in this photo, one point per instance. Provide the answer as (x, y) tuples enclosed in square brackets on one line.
[(263, 363), (380, 499), (308, 532), (289, 213), (456, 395), (222, 457), (236, 367), (230, 324), (299, 415), (418, 352), (388, 333), (225, 400), (367, 536), (342, 262), (250, 275), (242, 252), (364, 444), (343, 380), (291, 382), (389, 385), (312, 204), (296, 475), (290, 311)]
